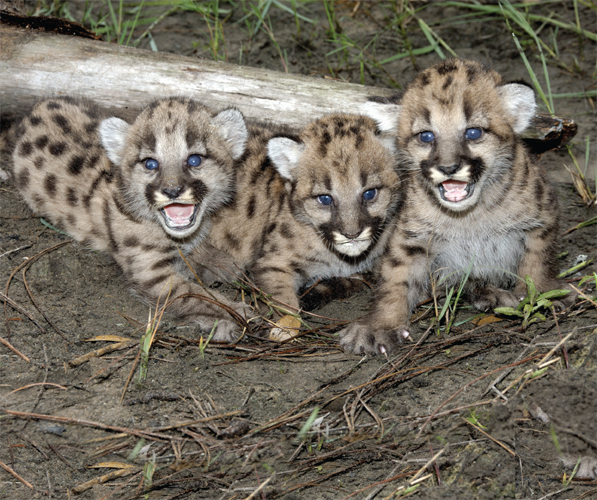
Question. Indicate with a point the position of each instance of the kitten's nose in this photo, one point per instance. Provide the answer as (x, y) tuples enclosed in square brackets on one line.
[(172, 192)]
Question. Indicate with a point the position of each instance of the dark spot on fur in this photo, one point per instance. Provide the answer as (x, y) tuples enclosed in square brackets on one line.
[(424, 79), (251, 207), (395, 262), (108, 225), (285, 231), (327, 182), (426, 115), (131, 241), (41, 142), (271, 228), (71, 197), (414, 250), (166, 262), (39, 163), (53, 105), (149, 284), (25, 149), (35, 120), (446, 67), (70, 218), (92, 162), (191, 137), (358, 141), (232, 240), (448, 82), (191, 106), (62, 122), (471, 73), (150, 194), (149, 140), (57, 148), (477, 168), (76, 164), (539, 190), (468, 109), (91, 127), (326, 138), (50, 185), (198, 189), (23, 178)]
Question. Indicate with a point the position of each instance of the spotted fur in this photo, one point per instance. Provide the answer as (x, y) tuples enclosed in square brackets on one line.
[(279, 229), (477, 203), (89, 175)]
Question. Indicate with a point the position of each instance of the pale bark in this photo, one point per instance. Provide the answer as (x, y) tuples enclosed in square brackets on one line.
[(35, 65)]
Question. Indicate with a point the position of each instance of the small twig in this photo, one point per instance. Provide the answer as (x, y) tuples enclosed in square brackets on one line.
[(20, 309), (429, 462), (7, 344), (100, 352), (468, 385), (261, 486), (10, 471), (555, 493), (15, 250), (558, 345), (493, 439), (87, 423), (36, 305)]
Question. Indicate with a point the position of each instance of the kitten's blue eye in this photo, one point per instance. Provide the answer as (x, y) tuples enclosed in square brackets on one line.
[(151, 164), (473, 134), (369, 194), (325, 199), (426, 136), (194, 161)]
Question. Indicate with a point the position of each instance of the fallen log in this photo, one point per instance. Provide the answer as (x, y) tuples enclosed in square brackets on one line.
[(38, 64)]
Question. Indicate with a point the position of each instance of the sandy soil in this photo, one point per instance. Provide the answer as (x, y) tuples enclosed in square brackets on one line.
[(222, 422)]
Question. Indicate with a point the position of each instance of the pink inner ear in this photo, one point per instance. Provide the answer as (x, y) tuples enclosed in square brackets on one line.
[(178, 211), (455, 190)]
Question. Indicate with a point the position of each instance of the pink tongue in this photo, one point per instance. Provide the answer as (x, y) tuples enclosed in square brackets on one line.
[(455, 190), (179, 213)]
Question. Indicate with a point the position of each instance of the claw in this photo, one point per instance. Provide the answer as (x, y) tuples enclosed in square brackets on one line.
[(405, 334), (382, 349)]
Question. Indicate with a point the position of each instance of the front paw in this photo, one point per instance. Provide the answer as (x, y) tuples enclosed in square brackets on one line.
[(488, 298), (360, 338), (226, 331)]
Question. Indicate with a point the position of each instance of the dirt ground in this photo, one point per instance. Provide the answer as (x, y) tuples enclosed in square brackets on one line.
[(464, 411)]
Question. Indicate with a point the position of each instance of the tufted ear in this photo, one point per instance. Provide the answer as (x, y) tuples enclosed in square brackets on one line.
[(285, 155), (231, 125), (519, 101), (113, 134), (385, 115)]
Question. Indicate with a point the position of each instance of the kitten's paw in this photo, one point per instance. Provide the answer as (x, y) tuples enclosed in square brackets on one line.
[(226, 331), (360, 338), (488, 298)]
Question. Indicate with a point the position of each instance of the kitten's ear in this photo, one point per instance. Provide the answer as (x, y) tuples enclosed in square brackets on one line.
[(285, 154), (112, 135), (385, 115), (519, 101), (231, 125)]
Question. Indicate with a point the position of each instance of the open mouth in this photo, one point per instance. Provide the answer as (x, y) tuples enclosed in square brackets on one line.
[(455, 191), (179, 216)]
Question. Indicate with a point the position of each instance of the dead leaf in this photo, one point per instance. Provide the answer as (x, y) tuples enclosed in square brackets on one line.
[(108, 338), (487, 320), (288, 328)]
